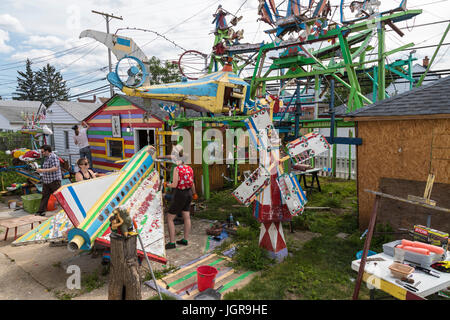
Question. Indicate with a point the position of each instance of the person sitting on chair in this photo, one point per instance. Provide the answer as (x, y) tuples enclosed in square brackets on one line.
[(85, 173)]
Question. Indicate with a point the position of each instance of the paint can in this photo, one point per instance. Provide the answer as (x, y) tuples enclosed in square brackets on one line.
[(12, 204)]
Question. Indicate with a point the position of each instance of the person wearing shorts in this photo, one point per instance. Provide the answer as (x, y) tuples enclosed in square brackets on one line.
[(184, 193)]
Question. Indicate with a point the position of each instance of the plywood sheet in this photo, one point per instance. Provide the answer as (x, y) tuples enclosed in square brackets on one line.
[(405, 150)]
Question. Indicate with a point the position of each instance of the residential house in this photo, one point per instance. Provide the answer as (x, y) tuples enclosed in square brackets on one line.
[(61, 116), (12, 112)]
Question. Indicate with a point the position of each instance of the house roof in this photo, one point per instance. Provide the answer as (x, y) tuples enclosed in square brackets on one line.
[(78, 110), (155, 109), (430, 99), (12, 109)]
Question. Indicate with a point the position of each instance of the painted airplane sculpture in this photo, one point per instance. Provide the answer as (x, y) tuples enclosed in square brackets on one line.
[(87, 206), (216, 93)]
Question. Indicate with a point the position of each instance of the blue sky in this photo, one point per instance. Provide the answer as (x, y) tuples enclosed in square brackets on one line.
[(47, 31)]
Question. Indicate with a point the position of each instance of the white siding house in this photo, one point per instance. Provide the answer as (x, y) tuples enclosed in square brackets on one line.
[(61, 117), (11, 113)]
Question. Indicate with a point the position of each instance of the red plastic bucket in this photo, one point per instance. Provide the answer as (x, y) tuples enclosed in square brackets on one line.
[(51, 204), (205, 277)]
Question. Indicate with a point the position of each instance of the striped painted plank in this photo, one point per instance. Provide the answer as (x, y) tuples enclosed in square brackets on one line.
[(107, 133), (122, 107), (124, 113), (124, 121)]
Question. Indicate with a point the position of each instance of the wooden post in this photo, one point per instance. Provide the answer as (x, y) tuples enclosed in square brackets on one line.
[(362, 264), (124, 283)]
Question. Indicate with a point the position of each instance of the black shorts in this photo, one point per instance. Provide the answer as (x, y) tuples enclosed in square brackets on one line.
[(181, 201)]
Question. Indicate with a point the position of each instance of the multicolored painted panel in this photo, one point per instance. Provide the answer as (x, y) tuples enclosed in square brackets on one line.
[(131, 117), (56, 227)]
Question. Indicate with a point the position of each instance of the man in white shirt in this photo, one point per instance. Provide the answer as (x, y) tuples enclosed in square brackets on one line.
[(81, 140)]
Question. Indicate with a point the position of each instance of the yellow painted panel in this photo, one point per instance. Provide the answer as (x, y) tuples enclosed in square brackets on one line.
[(385, 286), (118, 108)]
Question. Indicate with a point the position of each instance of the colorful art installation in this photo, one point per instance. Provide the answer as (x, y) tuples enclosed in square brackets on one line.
[(354, 11), (136, 186), (277, 196), (26, 161), (217, 92), (145, 208), (55, 228), (300, 15), (77, 198), (306, 147)]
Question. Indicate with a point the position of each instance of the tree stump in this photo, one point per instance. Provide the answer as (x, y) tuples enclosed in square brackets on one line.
[(124, 281)]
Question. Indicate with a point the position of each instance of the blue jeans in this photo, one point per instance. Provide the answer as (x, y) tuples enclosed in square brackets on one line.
[(86, 153)]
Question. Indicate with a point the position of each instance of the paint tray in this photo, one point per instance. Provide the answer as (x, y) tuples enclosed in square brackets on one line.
[(209, 294)]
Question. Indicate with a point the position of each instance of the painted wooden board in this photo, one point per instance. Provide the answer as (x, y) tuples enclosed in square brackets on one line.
[(252, 186), (261, 131), (307, 147), (77, 198), (55, 227), (132, 174), (292, 193), (146, 209), (182, 284)]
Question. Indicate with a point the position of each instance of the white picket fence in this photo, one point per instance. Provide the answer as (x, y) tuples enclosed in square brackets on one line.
[(342, 169)]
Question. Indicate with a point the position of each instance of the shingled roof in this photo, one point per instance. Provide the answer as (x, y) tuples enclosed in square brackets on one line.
[(78, 110), (12, 109), (428, 100)]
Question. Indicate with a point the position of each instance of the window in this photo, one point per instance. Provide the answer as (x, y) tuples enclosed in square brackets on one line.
[(115, 148), (66, 140)]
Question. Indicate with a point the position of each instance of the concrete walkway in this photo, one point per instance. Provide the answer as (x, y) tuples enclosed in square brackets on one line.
[(38, 271)]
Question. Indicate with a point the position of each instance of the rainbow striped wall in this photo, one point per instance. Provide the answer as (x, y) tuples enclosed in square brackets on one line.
[(100, 131)]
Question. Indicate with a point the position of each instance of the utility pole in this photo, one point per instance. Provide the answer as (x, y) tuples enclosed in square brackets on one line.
[(108, 17)]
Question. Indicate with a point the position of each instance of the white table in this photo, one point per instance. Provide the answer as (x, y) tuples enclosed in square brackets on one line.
[(378, 276)]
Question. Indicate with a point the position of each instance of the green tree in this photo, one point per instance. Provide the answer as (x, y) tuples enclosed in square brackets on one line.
[(26, 84), (50, 85), (163, 72)]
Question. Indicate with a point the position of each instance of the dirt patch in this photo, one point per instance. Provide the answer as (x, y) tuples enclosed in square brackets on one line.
[(296, 240)]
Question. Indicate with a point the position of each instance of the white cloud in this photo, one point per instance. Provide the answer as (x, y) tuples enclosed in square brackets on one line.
[(33, 53), (4, 48), (10, 23), (44, 41)]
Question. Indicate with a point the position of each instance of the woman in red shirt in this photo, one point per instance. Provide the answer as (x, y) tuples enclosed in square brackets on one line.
[(184, 193)]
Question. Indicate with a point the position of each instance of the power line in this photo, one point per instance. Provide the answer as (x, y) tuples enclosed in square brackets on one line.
[(89, 91), (38, 60), (108, 17)]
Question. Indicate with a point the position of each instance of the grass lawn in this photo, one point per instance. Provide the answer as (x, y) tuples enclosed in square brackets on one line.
[(318, 268)]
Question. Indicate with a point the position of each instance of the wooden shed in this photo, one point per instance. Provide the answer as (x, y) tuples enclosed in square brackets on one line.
[(404, 139)]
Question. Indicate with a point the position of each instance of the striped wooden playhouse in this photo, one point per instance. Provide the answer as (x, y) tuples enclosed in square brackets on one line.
[(121, 127)]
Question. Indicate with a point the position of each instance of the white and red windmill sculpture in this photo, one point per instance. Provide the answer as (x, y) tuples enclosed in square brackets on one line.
[(276, 195)]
